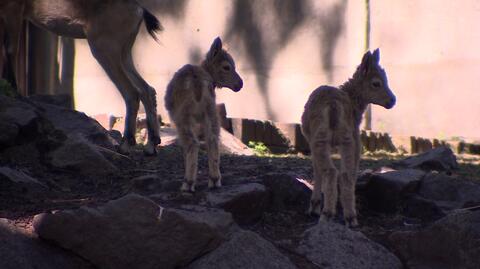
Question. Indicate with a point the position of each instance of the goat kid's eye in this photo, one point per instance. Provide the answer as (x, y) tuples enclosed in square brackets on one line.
[(226, 68), (376, 84)]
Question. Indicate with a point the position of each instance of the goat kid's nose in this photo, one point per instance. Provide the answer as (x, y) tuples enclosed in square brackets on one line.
[(391, 103)]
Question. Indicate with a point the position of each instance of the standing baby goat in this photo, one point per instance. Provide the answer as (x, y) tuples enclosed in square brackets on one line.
[(332, 118), (190, 101)]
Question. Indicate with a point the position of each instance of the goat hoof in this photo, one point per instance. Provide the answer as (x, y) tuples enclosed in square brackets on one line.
[(351, 222), (124, 148), (325, 216), (150, 149), (186, 187), (214, 183), (315, 208)]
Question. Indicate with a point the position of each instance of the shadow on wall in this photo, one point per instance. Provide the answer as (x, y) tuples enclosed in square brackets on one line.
[(270, 27), (272, 24), (173, 8), (332, 24)]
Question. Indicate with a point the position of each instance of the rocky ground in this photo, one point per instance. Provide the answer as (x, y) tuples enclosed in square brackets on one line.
[(68, 200)]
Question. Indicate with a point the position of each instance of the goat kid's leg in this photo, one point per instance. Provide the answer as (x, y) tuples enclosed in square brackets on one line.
[(212, 137), (190, 147), (347, 183), (316, 201)]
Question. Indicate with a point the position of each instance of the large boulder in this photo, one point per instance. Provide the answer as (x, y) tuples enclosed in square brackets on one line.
[(73, 122), (287, 191), (449, 192), (246, 202), (131, 232), (332, 245), (244, 250), (439, 159), (451, 242), (385, 192), (21, 250), (79, 155), (19, 183)]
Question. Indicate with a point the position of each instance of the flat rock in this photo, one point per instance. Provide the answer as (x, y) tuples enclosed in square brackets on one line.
[(79, 155), (286, 191), (449, 192), (331, 245), (246, 202), (21, 250), (384, 192), (439, 159), (73, 122), (451, 242), (244, 250), (131, 232)]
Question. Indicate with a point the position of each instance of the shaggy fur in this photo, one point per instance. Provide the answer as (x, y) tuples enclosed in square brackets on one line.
[(190, 101), (111, 27), (332, 118)]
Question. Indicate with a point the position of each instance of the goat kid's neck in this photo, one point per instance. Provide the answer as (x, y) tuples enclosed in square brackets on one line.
[(353, 87)]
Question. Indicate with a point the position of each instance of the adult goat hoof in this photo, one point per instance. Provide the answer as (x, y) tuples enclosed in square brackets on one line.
[(150, 149)]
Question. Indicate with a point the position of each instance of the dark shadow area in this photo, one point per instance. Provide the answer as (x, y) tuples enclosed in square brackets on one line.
[(172, 8), (332, 24), (245, 27)]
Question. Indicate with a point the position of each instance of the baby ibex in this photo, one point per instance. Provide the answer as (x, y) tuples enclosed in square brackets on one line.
[(332, 118), (190, 101)]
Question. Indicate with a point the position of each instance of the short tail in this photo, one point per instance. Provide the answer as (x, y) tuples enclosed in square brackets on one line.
[(333, 116), (152, 23)]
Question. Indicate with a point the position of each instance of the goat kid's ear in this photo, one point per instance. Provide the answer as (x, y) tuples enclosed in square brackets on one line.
[(215, 48), (376, 56), (366, 62)]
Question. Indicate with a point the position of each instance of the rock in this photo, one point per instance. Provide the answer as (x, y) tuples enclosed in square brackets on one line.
[(61, 100), (451, 242), (229, 144), (213, 217), (17, 111), (146, 182), (421, 208), (8, 135), (286, 191), (245, 250), (448, 192), (440, 159), (19, 178), (331, 245), (246, 202), (384, 192), (72, 122), (20, 250), (131, 232), (79, 155)]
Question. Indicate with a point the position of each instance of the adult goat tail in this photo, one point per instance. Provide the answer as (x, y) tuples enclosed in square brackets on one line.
[(152, 23)]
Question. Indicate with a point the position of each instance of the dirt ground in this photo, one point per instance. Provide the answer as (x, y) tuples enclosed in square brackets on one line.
[(283, 228)]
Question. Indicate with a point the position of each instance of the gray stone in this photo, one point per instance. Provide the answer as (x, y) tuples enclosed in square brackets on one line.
[(8, 134), (440, 159), (384, 192), (451, 242), (449, 192), (73, 122), (21, 250), (246, 202), (331, 245), (245, 250), (213, 217), (79, 155), (131, 232), (286, 191)]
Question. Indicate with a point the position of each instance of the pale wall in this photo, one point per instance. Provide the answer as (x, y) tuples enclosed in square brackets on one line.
[(427, 49)]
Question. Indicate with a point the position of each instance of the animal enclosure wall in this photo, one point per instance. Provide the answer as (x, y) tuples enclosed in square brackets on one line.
[(284, 49)]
